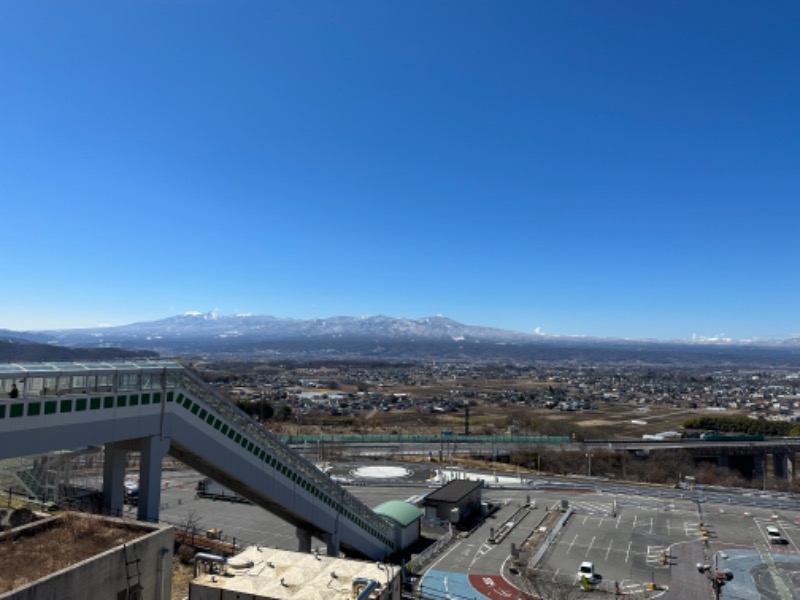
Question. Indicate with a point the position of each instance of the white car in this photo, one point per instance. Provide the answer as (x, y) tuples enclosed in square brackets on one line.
[(774, 535), (586, 570), (131, 495)]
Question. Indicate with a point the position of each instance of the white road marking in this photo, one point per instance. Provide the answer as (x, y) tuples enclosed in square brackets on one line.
[(590, 546), (610, 543), (573, 541)]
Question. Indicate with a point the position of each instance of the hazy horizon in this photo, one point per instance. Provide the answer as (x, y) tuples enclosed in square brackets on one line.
[(619, 169)]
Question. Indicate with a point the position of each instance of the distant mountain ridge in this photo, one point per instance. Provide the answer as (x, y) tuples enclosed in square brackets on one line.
[(213, 325), (388, 338), (16, 350)]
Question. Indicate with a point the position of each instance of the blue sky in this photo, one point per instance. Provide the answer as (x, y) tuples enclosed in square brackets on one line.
[(619, 168)]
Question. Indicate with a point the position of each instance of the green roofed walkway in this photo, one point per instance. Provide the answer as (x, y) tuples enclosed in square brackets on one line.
[(160, 407)]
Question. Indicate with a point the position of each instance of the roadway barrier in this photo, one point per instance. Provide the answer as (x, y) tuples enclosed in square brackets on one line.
[(550, 538), (418, 564)]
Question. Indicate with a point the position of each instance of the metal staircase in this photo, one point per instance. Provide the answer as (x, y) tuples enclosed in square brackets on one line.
[(252, 440)]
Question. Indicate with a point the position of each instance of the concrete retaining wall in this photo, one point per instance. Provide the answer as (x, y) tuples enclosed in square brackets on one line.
[(147, 560)]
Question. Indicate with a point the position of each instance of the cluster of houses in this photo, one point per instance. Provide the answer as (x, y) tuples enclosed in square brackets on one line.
[(346, 390)]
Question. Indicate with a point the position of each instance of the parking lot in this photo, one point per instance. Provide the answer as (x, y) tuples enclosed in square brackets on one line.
[(632, 546), (662, 543), (631, 540)]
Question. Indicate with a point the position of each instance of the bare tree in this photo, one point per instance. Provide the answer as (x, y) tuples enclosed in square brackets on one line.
[(188, 527), (190, 522)]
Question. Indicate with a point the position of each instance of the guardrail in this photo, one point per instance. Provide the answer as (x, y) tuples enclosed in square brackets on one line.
[(426, 557), (423, 439)]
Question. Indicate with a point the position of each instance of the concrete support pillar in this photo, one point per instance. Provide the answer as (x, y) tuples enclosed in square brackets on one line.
[(153, 449), (759, 466), (332, 542), (722, 461), (779, 460), (791, 465), (303, 540), (114, 460)]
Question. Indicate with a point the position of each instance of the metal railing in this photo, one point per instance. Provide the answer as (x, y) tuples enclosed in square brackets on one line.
[(427, 556), (423, 439)]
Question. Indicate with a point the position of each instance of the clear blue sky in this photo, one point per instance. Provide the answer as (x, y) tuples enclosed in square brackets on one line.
[(620, 168)]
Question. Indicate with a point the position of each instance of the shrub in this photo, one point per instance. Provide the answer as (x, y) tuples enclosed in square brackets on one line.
[(185, 554)]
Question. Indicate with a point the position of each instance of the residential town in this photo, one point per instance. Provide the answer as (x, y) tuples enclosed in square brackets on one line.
[(353, 390)]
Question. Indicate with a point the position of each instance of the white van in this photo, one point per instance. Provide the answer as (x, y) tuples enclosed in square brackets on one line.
[(774, 535)]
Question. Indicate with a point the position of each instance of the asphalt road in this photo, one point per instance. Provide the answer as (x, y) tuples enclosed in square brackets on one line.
[(245, 523)]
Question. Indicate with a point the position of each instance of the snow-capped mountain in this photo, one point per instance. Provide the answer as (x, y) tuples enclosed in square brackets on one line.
[(389, 338), (249, 327)]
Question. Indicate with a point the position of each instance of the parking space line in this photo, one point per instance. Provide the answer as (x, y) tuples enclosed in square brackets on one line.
[(628, 553), (790, 540), (590, 546), (610, 543), (573, 541)]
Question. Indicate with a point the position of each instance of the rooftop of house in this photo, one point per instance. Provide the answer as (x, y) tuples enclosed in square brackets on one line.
[(453, 491), (273, 573)]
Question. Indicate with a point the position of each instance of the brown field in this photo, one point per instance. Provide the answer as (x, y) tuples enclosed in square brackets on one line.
[(607, 421)]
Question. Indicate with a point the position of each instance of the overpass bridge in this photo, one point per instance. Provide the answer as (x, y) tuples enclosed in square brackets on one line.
[(159, 408), (752, 458)]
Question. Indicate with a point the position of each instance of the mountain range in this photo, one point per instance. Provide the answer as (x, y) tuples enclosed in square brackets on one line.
[(383, 337)]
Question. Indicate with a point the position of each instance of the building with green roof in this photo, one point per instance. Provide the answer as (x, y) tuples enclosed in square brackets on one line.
[(408, 518)]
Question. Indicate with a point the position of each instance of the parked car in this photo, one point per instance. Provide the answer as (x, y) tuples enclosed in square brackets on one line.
[(587, 574), (774, 535), (131, 494)]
